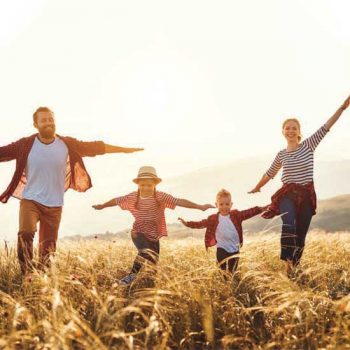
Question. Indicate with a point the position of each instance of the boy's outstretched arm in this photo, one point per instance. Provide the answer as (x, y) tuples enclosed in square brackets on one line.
[(194, 224), (188, 204), (249, 213), (110, 203), (184, 222)]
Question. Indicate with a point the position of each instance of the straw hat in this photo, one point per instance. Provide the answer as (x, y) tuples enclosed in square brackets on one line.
[(147, 172)]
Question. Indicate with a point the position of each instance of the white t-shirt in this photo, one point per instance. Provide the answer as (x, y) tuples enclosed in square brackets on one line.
[(227, 235), (46, 173)]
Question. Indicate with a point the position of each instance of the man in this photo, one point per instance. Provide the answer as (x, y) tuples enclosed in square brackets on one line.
[(46, 166)]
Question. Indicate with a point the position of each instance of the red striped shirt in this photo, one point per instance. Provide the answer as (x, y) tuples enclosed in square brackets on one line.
[(148, 213)]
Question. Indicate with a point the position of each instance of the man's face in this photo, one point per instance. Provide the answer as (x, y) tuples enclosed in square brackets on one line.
[(224, 205), (45, 123)]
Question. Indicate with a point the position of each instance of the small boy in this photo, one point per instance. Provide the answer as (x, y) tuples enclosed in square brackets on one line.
[(224, 229)]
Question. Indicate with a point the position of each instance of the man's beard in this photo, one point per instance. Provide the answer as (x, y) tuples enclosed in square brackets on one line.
[(47, 132)]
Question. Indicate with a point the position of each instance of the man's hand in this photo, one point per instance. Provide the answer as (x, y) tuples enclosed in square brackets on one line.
[(131, 150), (118, 149), (98, 206)]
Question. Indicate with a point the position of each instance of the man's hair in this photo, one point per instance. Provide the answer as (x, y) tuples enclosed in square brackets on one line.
[(41, 109), (223, 193)]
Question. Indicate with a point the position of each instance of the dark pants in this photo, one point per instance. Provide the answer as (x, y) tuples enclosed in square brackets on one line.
[(148, 251), (227, 261), (294, 229)]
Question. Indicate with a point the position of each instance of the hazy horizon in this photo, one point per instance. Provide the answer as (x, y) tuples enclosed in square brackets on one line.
[(199, 185)]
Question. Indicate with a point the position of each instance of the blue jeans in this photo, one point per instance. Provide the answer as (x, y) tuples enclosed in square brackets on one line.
[(294, 229), (147, 251)]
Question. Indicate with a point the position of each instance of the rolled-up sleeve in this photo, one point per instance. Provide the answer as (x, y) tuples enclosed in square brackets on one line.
[(86, 148), (9, 152)]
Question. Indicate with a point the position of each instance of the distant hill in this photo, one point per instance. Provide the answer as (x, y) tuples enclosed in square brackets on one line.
[(332, 215), (331, 179)]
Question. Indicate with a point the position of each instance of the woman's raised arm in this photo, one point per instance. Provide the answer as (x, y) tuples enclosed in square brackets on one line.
[(332, 120)]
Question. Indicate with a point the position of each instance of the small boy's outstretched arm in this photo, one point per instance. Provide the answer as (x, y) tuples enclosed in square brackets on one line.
[(110, 203), (191, 205), (195, 224), (249, 213), (182, 221)]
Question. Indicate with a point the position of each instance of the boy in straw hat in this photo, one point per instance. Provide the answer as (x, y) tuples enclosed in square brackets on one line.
[(147, 206)]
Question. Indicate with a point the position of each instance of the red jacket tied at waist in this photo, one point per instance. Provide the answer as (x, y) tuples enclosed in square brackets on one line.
[(298, 193)]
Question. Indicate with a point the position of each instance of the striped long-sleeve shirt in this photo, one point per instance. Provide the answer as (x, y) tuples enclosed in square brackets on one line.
[(298, 165)]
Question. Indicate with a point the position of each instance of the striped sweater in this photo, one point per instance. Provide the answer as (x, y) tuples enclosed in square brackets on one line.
[(298, 165)]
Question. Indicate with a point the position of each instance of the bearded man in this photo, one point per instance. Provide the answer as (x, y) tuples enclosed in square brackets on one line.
[(46, 166)]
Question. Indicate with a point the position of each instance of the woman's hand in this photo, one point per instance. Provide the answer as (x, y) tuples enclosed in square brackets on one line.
[(346, 103), (254, 190), (98, 206)]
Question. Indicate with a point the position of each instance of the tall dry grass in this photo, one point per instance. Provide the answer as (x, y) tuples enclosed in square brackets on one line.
[(187, 303)]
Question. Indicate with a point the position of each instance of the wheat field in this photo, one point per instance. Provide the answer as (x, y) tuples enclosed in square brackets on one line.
[(186, 303)]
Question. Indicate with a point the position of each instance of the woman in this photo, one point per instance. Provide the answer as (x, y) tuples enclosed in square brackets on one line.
[(296, 199)]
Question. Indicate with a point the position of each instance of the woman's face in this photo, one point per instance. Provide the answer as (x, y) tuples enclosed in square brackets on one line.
[(291, 131), (146, 187)]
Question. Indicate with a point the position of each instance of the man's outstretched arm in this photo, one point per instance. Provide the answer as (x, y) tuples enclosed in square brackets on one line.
[(94, 148), (118, 149)]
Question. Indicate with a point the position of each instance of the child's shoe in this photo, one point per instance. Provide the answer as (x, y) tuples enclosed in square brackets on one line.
[(128, 279)]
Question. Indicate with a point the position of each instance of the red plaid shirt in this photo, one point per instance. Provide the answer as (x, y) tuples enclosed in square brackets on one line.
[(77, 177), (297, 193), (211, 223)]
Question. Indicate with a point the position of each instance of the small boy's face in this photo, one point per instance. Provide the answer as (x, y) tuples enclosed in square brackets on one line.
[(224, 205), (146, 187)]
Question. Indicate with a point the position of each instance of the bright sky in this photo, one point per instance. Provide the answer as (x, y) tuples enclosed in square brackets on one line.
[(196, 83)]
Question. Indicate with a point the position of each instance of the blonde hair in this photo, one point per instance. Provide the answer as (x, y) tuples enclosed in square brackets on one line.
[(295, 120), (223, 193)]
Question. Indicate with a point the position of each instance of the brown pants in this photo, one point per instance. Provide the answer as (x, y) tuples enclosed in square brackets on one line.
[(30, 213)]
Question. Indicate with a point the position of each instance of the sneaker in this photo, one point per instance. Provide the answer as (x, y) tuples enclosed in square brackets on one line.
[(127, 279)]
